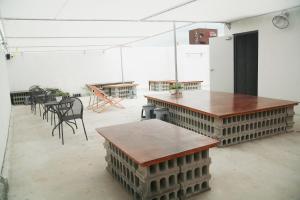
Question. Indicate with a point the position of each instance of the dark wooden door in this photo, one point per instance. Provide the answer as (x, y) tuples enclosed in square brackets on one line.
[(246, 63)]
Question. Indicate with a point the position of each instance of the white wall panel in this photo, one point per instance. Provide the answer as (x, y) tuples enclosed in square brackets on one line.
[(71, 71), (4, 106)]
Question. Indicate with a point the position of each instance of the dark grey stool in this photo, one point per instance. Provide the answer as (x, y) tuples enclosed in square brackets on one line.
[(148, 112), (162, 114)]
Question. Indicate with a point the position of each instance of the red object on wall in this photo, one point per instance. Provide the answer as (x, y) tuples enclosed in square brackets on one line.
[(201, 35)]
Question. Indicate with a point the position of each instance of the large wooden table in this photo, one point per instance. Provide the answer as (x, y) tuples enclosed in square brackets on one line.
[(230, 118), (153, 159)]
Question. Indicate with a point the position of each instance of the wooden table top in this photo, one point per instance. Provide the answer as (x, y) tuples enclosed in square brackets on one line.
[(153, 141), (120, 85), (221, 104), (110, 83)]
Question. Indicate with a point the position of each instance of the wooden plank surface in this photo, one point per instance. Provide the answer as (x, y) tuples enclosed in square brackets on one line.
[(221, 104), (152, 141)]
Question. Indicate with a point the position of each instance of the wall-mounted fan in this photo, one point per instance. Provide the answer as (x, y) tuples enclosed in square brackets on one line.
[(281, 21)]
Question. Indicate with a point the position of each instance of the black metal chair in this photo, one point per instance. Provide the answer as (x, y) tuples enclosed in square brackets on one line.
[(37, 96), (68, 110), (49, 98)]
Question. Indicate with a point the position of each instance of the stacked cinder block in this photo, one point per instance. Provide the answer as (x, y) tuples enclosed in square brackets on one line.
[(159, 85), (165, 85), (290, 118), (194, 85), (121, 92), (233, 129), (173, 179), (251, 126), (18, 97)]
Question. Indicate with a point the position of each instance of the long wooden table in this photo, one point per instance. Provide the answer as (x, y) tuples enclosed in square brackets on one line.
[(230, 118), (153, 159)]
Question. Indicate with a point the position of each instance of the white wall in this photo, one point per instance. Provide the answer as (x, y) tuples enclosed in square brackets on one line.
[(278, 56), (70, 71), (4, 106)]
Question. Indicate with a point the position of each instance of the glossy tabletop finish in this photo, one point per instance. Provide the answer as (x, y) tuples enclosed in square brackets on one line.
[(221, 104), (152, 141)]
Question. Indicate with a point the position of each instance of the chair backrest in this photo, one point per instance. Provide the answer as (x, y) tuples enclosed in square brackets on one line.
[(77, 108), (64, 107), (50, 95), (35, 91), (98, 92)]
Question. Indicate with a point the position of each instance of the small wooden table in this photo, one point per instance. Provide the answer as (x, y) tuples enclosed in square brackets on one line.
[(153, 159), (164, 85), (230, 118)]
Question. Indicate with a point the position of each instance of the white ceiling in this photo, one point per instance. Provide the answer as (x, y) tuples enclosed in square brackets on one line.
[(226, 10), (50, 23)]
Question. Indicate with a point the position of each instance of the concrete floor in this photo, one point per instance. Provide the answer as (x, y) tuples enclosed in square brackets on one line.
[(40, 168)]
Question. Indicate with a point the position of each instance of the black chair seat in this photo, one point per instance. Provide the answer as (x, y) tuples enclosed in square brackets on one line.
[(71, 117)]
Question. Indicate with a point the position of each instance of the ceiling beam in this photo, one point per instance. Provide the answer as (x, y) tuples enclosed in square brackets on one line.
[(119, 45), (72, 37), (59, 46), (102, 20), (62, 50)]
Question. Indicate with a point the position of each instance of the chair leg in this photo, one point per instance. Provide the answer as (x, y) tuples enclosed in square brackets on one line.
[(75, 124), (59, 130), (58, 125), (84, 129), (54, 119), (40, 109), (70, 126), (62, 134)]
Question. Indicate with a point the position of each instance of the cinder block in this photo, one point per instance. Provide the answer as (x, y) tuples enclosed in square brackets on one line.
[(195, 187), (159, 181)]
